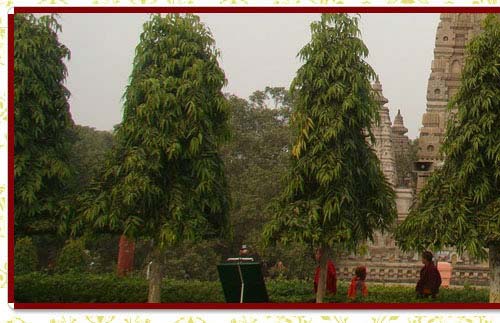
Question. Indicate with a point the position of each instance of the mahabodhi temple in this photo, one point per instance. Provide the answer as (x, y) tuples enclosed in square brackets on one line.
[(384, 261)]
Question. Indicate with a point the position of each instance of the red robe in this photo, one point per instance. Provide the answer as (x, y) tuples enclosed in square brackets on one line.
[(331, 278), (351, 293), (430, 280)]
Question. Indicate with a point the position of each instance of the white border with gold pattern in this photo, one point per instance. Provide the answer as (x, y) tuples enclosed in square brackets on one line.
[(8, 315)]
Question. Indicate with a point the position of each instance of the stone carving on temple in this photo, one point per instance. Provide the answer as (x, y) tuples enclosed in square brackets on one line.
[(453, 33)]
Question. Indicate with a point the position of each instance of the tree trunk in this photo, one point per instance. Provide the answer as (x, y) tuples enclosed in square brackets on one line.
[(125, 256), (320, 294), (494, 260), (155, 276)]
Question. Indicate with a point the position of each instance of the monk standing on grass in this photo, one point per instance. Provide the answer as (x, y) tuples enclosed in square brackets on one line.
[(331, 275), (358, 286), (430, 279)]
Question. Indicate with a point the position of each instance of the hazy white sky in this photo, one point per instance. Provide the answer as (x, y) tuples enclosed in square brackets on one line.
[(257, 50)]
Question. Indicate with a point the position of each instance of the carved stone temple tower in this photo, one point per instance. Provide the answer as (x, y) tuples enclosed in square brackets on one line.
[(383, 137), (453, 33), (400, 141), (401, 146)]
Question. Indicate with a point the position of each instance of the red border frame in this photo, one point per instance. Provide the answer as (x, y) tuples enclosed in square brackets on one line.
[(229, 9)]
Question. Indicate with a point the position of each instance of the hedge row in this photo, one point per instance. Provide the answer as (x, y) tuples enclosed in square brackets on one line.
[(87, 288)]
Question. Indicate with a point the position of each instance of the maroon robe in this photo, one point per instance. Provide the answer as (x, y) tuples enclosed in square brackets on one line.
[(331, 278), (430, 280)]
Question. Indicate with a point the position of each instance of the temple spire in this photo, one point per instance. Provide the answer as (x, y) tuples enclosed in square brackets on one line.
[(383, 137), (453, 33)]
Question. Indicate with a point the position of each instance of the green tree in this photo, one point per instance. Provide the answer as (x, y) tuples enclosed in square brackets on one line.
[(165, 179), (73, 257), (88, 154), (460, 204), (279, 95), (258, 99), (404, 163), (25, 256), (336, 194), (42, 121), (255, 160)]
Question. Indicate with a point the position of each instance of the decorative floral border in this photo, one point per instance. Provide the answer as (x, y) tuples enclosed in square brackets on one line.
[(169, 316)]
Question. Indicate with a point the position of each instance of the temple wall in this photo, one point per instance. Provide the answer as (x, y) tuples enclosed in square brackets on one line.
[(408, 272)]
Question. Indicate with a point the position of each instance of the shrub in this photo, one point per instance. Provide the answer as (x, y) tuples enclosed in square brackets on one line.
[(73, 257), (25, 256), (106, 288)]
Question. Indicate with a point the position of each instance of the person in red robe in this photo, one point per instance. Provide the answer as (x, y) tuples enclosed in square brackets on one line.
[(358, 286), (430, 279), (331, 275)]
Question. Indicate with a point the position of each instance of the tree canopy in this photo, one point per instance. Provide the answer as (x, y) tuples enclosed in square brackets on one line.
[(42, 123), (336, 193), (165, 179)]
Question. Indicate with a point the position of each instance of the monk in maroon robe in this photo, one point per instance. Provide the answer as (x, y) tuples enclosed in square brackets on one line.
[(430, 279), (331, 275)]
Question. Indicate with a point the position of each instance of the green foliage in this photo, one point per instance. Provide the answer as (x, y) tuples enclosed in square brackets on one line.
[(88, 153), (87, 156), (85, 288), (164, 179), (42, 118), (103, 252), (404, 163), (258, 99), (73, 257), (193, 261), (78, 287), (336, 193), (25, 256), (460, 204), (297, 259), (255, 160)]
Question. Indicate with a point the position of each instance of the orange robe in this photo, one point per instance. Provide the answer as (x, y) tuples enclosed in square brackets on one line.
[(351, 292)]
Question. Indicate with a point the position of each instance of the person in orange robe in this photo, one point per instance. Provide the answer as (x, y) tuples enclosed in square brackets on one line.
[(358, 285), (331, 275)]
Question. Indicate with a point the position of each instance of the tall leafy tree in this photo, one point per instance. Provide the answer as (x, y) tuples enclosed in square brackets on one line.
[(42, 122), (460, 204), (165, 179), (336, 194)]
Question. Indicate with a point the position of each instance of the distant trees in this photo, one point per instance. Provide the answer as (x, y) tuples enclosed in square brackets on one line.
[(460, 204), (404, 162), (255, 159), (42, 170), (336, 194), (88, 153), (165, 179)]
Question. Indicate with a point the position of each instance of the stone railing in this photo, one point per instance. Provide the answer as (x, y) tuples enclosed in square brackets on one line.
[(393, 272)]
